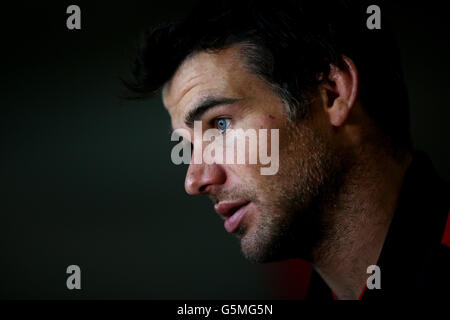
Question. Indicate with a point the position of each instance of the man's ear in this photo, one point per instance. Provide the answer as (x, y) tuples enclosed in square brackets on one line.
[(341, 89)]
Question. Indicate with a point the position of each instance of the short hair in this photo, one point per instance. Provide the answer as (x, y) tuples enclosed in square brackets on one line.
[(290, 44)]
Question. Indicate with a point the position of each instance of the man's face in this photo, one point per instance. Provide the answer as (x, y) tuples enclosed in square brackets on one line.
[(274, 216)]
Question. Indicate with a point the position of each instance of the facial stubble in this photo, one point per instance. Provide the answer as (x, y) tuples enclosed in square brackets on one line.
[(290, 220)]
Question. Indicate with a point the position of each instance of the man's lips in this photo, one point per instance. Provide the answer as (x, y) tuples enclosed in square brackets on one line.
[(233, 212)]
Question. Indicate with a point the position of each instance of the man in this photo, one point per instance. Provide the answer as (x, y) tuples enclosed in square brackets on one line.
[(350, 191)]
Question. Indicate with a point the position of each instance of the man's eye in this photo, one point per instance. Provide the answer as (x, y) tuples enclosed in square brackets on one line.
[(222, 123)]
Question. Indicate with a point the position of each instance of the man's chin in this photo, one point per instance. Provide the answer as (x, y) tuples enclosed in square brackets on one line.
[(259, 251)]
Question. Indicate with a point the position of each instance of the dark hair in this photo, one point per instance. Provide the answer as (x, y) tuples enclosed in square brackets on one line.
[(289, 44)]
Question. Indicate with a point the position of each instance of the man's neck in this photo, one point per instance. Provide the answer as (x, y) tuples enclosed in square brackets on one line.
[(358, 222)]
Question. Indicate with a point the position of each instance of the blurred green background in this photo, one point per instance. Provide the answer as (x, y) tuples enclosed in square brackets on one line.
[(86, 177)]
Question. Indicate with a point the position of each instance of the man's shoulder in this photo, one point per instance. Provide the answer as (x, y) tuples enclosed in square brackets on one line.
[(417, 249)]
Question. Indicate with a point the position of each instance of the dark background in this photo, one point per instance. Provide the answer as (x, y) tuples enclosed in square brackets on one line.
[(86, 177)]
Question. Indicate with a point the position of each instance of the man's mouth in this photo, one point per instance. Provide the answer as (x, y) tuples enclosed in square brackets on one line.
[(233, 212)]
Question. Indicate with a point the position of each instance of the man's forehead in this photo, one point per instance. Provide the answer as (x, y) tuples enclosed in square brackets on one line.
[(202, 73)]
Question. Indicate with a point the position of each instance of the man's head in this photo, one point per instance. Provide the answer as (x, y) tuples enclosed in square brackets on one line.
[(309, 71)]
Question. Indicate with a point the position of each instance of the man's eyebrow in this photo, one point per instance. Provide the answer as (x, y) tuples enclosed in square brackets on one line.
[(206, 104)]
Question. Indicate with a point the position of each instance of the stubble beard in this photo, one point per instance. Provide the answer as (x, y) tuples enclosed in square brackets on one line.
[(290, 222)]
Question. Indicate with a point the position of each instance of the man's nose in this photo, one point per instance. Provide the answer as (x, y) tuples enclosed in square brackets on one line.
[(202, 178)]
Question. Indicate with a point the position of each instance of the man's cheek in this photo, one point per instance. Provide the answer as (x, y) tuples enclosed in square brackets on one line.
[(246, 175)]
